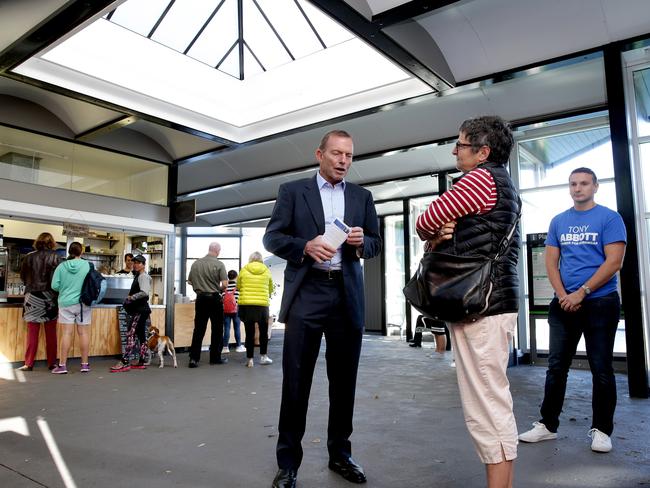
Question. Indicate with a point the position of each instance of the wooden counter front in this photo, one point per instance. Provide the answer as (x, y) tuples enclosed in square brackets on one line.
[(104, 333)]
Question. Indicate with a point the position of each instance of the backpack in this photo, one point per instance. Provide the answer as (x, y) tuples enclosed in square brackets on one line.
[(229, 302), (93, 288)]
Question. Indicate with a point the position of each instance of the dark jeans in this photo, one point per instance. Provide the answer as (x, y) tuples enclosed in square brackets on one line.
[(207, 306), (597, 319), (236, 325)]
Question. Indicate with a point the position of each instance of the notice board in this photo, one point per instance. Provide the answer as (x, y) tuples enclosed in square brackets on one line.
[(540, 291)]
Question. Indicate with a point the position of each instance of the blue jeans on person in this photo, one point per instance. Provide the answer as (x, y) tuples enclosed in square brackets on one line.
[(597, 319), (227, 318)]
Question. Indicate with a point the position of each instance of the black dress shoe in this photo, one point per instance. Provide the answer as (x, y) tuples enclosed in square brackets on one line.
[(285, 478), (220, 361), (415, 344), (193, 364), (350, 470)]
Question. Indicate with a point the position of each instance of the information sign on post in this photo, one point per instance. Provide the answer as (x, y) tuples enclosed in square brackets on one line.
[(540, 291)]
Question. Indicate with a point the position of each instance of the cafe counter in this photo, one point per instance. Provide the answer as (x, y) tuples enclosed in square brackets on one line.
[(104, 332)]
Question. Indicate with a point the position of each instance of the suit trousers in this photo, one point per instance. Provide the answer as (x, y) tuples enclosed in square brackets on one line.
[(318, 309), (208, 306)]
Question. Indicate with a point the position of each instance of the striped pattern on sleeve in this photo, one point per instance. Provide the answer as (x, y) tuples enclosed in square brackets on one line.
[(474, 194), (232, 285)]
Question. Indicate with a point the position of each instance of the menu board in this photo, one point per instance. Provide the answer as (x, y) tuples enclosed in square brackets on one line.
[(124, 321)]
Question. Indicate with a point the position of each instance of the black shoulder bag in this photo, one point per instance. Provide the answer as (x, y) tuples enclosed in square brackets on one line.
[(454, 288)]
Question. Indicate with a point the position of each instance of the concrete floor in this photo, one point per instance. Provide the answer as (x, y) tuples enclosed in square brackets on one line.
[(216, 426)]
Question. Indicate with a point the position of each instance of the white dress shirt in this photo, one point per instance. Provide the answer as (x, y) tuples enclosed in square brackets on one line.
[(333, 200)]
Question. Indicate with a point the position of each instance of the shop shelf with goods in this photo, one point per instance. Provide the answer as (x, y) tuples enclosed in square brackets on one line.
[(103, 250)]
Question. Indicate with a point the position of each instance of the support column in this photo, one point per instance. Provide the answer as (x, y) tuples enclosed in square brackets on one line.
[(637, 371)]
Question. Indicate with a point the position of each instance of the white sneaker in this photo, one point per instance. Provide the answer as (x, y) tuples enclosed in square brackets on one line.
[(600, 442), (225, 350), (249, 363), (240, 348), (539, 432), (266, 360)]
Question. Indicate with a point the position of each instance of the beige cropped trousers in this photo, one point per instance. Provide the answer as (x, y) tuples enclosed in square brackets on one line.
[(481, 352)]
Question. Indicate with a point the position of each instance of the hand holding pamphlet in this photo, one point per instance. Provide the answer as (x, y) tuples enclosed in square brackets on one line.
[(336, 233)]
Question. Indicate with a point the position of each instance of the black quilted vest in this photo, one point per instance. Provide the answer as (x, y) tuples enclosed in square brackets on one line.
[(481, 234)]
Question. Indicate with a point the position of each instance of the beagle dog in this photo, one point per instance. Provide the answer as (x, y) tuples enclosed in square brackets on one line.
[(158, 344)]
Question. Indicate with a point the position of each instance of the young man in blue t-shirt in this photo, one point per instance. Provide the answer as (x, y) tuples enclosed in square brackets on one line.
[(584, 251)]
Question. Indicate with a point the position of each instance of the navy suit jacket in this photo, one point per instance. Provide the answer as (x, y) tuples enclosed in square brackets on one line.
[(298, 217)]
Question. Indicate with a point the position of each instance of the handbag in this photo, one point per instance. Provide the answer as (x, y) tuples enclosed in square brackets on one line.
[(454, 288)]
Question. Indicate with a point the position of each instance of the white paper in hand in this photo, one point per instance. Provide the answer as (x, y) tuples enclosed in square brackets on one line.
[(336, 233)]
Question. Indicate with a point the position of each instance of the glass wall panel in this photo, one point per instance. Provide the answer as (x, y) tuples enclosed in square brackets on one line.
[(541, 205), (394, 274), (251, 242), (197, 247), (544, 166), (644, 155), (541, 325), (416, 207), (177, 264), (547, 161), (640, 76), (216, 230), (641, 81), (40, 160)]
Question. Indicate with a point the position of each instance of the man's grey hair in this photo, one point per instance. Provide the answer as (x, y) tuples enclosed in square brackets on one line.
[(335, 133), (215, 248)]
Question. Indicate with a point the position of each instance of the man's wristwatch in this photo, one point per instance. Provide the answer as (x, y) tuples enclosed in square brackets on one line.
[(586, 289)]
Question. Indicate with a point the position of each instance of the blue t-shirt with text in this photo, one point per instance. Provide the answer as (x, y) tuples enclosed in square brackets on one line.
[(581, 236)]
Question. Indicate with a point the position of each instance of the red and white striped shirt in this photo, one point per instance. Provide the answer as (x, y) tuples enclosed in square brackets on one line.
[(474, 194)]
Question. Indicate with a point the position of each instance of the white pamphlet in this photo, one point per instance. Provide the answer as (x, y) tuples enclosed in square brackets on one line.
[(336, 233)]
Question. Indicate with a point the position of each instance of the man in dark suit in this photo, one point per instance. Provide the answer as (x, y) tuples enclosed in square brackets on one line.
[(323, 294)]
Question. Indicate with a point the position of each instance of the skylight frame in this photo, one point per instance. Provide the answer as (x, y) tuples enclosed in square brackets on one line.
[(86, 63)]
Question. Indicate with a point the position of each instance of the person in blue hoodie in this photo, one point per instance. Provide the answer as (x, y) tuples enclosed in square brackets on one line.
[(68, 279)]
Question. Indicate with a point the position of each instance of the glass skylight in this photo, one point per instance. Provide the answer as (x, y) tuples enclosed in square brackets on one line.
[(241, 74), (273, 32)]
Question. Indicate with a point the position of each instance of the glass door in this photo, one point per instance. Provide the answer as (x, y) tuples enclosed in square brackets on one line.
[(394, 274), (545, 157), (639, 107)]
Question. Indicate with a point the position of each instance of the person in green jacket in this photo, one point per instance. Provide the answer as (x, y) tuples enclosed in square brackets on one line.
[(68, 279), (255, 287)]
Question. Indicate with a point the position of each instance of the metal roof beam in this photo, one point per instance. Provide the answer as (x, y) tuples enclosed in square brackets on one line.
[(408, 10), (102, 129), (372, 34), (58, 24)]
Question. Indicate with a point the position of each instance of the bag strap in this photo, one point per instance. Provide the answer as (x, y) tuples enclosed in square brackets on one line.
[(506, 239), (503, 245)]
